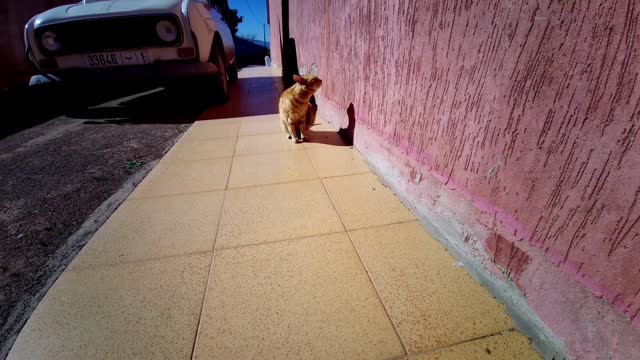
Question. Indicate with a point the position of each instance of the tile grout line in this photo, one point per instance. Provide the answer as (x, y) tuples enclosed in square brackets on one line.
[(248, 186), (271, 184), (212, 138), (213, 254), (317, 177), (137, 261), (216, 190), (176, 194), (268, 152), (345, 175), (381, 225), (315, 170), (178, 160), (258, 132), (281, 240), (234, 118), (366, 270), (295, 181), (156, 258), (437, 348), (375, 288)]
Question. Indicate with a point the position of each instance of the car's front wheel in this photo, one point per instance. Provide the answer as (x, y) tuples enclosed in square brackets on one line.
[(220, 80), (232, 72)]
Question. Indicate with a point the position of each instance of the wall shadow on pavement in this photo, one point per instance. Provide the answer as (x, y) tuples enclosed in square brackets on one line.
[(183, 103)]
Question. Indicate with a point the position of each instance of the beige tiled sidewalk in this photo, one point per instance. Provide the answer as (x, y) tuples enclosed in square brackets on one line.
[(240, 245)]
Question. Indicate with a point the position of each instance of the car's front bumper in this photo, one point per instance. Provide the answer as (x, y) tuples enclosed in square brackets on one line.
[(158, 71)]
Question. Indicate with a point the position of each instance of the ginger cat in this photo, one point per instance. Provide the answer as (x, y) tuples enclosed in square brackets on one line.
[(294, 107), (310, 119)]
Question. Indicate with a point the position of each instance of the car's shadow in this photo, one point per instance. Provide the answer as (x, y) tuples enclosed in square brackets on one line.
[(137, 103), (163, 105), (185, 102), (127, 104), (30, 106)]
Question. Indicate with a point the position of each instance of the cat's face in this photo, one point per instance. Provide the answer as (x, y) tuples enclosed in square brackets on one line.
[(310, 82)]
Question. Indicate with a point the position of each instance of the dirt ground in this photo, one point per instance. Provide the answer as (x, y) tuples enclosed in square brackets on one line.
[(55, 170)]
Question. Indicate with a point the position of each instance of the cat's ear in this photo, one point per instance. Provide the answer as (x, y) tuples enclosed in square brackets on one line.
[(299, 79), (303, 70), (314, 69)]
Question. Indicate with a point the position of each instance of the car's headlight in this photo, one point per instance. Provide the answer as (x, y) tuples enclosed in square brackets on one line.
[(167, 31), (50, 41)]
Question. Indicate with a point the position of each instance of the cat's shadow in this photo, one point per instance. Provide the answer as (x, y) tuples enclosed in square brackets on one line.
[(325, 137), (340, 137)]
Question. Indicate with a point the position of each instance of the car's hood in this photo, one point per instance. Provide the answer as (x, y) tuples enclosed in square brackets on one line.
[(100, 8)]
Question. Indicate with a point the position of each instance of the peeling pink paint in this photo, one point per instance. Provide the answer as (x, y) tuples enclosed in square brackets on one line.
[(508, 256), (523, 115)]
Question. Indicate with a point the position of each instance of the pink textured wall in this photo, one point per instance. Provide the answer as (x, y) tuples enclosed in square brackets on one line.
[(275, 30), (528, 111)]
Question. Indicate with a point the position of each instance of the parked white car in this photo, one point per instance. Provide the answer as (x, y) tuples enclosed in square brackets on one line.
[(129, 39)]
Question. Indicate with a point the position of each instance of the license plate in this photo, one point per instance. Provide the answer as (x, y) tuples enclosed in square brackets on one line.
[(117, 59)]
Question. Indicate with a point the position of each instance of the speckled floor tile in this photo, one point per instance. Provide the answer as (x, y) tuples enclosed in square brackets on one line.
[(271, 168), (265, 143), (362, 201), (213, 129), (276, 212), (171, 178), (143, 310), (433, 301), (299, 299), (264, 124), (337, 161), (155, 227), (506, 346), (200, 149)]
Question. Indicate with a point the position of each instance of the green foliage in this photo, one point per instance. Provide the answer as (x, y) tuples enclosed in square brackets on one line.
[(230, 16)]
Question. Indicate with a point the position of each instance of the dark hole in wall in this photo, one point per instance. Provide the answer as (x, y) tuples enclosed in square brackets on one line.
[(289, 61), (289, 53)]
